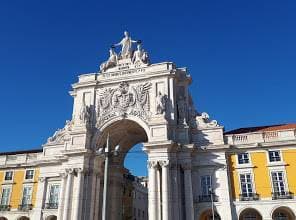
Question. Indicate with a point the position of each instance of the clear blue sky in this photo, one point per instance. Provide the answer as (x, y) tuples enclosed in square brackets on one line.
[(241, 55)]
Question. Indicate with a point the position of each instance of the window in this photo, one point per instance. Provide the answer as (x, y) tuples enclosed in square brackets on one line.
[(29, 174), (278, 182), (8, 175), (274, 156), (5, 196), (246, 185), (27, 195), (206, 185), (243, 158), (54, 192)]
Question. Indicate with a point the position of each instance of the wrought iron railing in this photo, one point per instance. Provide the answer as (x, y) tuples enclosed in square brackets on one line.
[(4, 207), (51, 205), (249, 197), (25, 207), (282, 195), (207, 198)]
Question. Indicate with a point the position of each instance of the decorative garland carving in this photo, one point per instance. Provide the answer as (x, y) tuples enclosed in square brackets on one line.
[(122, 101)]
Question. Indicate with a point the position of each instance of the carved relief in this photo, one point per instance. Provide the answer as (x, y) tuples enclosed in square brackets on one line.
[(203, 121), (182, 110), (123, 100), (60, 135)]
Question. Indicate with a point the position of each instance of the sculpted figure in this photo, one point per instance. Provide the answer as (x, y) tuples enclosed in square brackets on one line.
[(140, 56), (126, 45), (111, 62), (182, 109), (85, 114), (160, 103)]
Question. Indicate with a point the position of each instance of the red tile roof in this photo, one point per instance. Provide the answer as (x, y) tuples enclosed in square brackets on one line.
[(262, 128)]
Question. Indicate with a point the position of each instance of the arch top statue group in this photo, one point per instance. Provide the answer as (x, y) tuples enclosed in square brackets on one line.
[(195, 169)]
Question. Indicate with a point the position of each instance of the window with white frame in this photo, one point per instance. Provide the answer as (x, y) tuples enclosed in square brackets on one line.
[(206, 185), (274, 156), (8, 176), (29, 174), (5, 196), (278, 182), (243, 158), (27, 195), (246, 184), (54, 192)]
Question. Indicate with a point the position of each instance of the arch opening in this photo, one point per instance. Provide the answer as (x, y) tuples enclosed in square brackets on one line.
[(283, 213), (250, 214), (23, 218), (207, 215), (51, 217), (3, 218), (128, 192)]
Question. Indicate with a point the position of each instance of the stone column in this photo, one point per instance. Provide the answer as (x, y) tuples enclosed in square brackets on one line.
[(61, 196), (68, 193), (98, 194), (165, 190), (175, 191), (188, 191), (152, 190), (40, 198), (78, 201)]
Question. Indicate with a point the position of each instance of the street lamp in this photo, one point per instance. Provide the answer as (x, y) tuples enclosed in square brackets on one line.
[(106, 153), (212, 202)]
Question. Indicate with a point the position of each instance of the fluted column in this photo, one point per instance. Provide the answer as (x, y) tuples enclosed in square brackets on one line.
[(175, 191), (40, 198), (68, 192), (78, 201), (152, 190), (188, 191), (61, 196), (165, 190)]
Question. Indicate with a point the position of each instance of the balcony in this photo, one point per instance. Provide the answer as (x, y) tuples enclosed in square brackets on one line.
[(282, 195), (261, 137), (51, 205), (25, 207), (249, 197), (207, 198), (4, 207)]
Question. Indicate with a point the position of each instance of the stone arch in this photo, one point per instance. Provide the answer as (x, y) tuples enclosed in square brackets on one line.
[(283, 213), (23, 218), (3, 218), (207, 215), (51, 217), (124, 132), (250, 214)]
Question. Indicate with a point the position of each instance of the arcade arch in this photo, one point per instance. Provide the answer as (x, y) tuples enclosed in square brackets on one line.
[(250, 214), (207, 215), (283, 213), (51, 217), (23, 218), (3, 218)]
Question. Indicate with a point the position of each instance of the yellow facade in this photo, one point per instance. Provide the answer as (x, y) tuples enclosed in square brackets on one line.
[(260, 170), (17, 186)]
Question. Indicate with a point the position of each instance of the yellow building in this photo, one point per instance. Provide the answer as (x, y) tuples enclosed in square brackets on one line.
[(262, 165)]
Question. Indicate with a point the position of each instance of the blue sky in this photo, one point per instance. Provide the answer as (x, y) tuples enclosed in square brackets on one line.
[(241, 55)]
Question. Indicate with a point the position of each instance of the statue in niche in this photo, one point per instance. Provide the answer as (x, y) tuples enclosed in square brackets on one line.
[(160, 103), (111, 62), (85, 114), (140, 56), (126, 46), (182, 109)]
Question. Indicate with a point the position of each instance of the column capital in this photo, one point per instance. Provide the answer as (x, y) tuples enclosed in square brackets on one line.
[(174, 165), (41, 179), (80, 170), (186, 166), (70, 170), (152, 164), (164, 163), (63, 175)]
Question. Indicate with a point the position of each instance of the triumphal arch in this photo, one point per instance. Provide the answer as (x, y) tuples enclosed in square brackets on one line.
[(132, 101)]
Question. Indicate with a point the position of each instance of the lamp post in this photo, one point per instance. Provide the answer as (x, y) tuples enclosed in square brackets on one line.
[(212, 202), (106, 153)]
